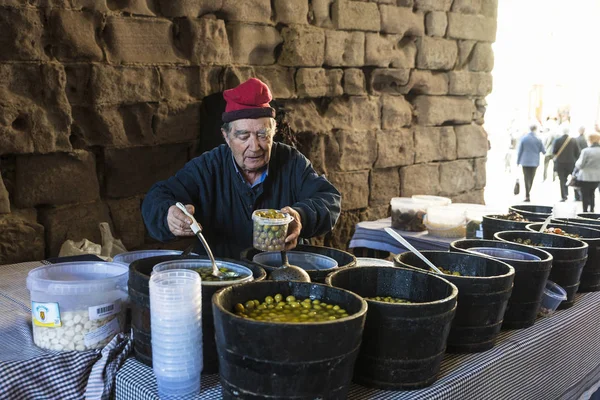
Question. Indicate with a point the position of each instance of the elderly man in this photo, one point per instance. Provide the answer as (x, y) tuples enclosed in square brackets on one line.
[(222, 187), (528, 156), (566, 152)]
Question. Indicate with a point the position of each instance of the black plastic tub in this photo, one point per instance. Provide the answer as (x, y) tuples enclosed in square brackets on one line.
[(532, 212), (590, 223), (590, 276), (569, 257), (483, 293), (139, 277), (403, 344), (589, 215), (269, 360), (531, 276), (343, 258), (492, 224)]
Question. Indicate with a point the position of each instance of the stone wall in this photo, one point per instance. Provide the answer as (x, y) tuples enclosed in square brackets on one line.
[(101, 98)]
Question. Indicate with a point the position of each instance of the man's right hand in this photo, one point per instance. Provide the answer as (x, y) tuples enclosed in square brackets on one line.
[(179, 223)]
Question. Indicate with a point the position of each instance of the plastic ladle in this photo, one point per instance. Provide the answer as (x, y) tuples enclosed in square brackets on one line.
[(545, 224), (289, 272), (410, 247), (198, 232)]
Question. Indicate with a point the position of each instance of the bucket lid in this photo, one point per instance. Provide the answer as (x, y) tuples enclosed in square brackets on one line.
[(131, 256), (507, 254), (78, 278), (304, 260)]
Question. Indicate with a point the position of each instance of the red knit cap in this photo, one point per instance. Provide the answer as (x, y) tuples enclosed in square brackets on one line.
[(249, 100)]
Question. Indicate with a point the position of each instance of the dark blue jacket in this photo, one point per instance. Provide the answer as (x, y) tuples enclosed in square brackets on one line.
[(224, 202), (530, 147)]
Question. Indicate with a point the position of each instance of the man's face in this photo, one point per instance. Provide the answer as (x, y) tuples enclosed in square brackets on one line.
[(250, 141)]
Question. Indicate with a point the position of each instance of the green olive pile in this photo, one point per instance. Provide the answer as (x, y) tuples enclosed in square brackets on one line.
[(513, 216), (289, 309), (448, 272), (558, 231), (528, 242), (388, 299), (206, 274), (269, 237)]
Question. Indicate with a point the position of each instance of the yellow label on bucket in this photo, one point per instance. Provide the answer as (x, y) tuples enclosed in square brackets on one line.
[(45, 314)]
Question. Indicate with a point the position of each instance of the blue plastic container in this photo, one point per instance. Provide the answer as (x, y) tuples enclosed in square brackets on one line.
[(507, 254), (553, 296)]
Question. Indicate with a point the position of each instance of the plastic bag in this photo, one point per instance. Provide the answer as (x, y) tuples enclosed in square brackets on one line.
[(110, 246), (517, 187)]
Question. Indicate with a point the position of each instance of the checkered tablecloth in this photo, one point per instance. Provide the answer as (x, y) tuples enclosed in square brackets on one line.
[(557, 358)]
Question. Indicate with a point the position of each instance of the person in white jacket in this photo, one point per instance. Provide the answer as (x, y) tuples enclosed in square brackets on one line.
[(588, 171)]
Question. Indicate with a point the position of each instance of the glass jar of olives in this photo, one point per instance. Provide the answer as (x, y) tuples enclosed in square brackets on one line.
[(270, 229)]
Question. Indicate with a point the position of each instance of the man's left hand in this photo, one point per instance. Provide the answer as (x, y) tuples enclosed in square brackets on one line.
[(291, 241)]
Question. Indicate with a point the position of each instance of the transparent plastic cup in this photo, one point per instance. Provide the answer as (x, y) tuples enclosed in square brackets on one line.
[(269, 233), (173, 389), (553, 296)]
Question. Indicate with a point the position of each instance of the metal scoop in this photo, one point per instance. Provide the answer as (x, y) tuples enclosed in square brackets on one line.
[(198, 232), (289, 272), (545, 224), (410, 247)]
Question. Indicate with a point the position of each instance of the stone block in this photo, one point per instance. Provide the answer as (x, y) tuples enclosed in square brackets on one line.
[(176, 122), (22, 37), (456, 177), (374, 213), (155, 164), (247, 10), (436, 23), (140, 40), (291, 11), (401, 20), (59, 178), (436, 53), (420, 179), (385, 184), (355, 15), (188, 8), (434, 144), (482, 58), (73, 222), (354, 82), (472, 27), (321, 15), (344, 49), (390, 51), (205, 41), (117, 85), (253, 44), (319, 82), (435, 110), (396, 112), (303, 46), (341, 150), (340, 236), (433, 5), (21, 239), (312, 145), (303, 116), (180, 84), (395, 148), (133, 7), (127, 219), (481, 107), (480, 172), (469, 83), (467, 6), (471, 141), (123, 125), (427, 82), (4, 198), (74, 36), (360, 113), (210, 80), (473, 196), (354, 187), (489, 8), (465, 48), (78, 83), (405, 3), (388, 80), (279, 79), (35, 115), (91, 5)]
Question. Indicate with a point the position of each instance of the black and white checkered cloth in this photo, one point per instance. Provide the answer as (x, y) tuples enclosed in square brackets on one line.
[(30, 373), (557, 358)]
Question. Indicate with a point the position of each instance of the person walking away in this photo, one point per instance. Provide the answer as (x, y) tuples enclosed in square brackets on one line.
[(582, 143), (528, 156), (588, 166), (566, 153)]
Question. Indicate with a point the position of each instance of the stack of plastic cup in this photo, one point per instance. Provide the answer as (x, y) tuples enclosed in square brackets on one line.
[(176, 323)]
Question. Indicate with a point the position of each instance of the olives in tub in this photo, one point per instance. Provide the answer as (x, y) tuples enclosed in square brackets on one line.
[(207, 275), (270, 229), (289, 309)]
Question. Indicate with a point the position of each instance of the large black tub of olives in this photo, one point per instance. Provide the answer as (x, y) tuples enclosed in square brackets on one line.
[(568, 258), (589, 215), (532, 212), (293, 360), (590, 276), (532, 267), (403, 343), (139, 277), (498, 223), (343, 258), (484, 287)]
